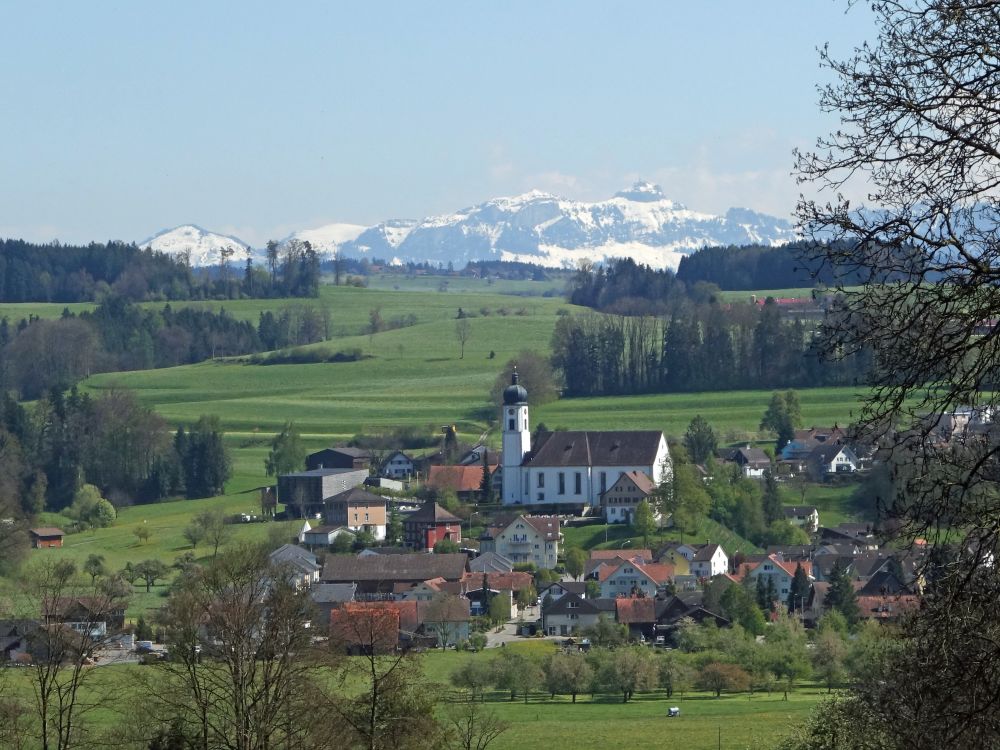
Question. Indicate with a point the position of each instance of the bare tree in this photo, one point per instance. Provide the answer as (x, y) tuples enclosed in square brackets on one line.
[(463, 330), (473, 726), (918, 134), (75, 621), (243, 671)]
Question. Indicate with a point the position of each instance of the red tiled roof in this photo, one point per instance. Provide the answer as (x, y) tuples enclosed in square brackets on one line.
[(513, 581), (637, 610), (456, 478), (624, 554)]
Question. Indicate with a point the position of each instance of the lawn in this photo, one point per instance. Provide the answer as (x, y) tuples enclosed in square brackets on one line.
[(620, 536), (833, 501), (603, 722)]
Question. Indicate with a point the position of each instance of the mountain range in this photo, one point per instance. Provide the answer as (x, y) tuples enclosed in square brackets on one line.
[(535, 227)]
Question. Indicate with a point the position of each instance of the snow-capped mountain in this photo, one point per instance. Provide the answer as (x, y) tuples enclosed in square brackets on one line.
[(541, 228), (204, 246)]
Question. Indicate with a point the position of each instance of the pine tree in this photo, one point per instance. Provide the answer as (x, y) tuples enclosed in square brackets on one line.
[(799, 589), (842, 596), (773, 510)]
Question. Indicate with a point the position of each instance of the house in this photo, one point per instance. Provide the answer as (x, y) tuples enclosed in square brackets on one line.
[(780, 573), (373, 627), (677, 554), (327, 596), (622, 498), (491, 562), (430, 524), (806, 517), (299, 564), (831, 459), (445, 618), (525, 539), (633, 579), (569, 470), (638, 614), (571, 613), (324, 536), (379, 574), (481, 588), (92, 616), (339, 458), (398, 465), (465, 481), (559, 589), (671, 611), (479, 455), (752, 462), (46, 536), (358, 510), (709, 561), (305, 492)]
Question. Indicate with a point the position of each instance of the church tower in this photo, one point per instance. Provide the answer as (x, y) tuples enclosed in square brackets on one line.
[(516, 439)]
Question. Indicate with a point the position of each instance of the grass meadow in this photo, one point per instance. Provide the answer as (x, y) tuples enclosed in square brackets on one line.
[(599, 722)]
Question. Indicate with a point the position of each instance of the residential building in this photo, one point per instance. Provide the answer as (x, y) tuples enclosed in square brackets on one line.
[(358, 510), (465, 481), (806, 517), (780, 573), (752, 462), (571, 613), (623, 497), (631, 578), (428, 525), (832, 459), (525, 539), (491, 562), (324, 536), (398, 465), (299, 564), (709, 561), (379, 574), (569, 470)]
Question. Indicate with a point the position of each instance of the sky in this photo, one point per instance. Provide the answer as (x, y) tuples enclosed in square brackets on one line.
[(120, 119)]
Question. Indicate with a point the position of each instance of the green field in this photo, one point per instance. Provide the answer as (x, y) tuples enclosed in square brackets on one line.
[(601, 722)]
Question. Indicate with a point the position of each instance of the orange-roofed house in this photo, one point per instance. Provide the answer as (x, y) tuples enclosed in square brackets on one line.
[(465, 481), (780, 572), (634, 579), (373, 627)]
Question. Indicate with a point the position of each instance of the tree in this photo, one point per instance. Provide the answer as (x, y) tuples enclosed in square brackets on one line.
[(463, 330), (771, 499), (534, 372), (718, 676), (675, 676), (217, 531), (499, 609), (194, 532), (783, 415), (526, 596), (919, 129), (446, 546), (475, 675), (606, 633), (798, 592), (828, 657), (473, 727), (205, 459), (60, 654), (576, 562), (151, 571), (644, 522), (740, 607), (700, 440), (287, 452), (261, 686), (90, 509), (568, 674), (841, 595), (515, 672), (94, 567), (628, 671), (682, 497), (142, 533)]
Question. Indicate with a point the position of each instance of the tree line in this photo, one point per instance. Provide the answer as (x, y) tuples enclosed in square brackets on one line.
[(38, 355), (699, 347), (31, 272)]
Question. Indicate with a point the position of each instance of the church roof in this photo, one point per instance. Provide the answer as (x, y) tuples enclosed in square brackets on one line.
[(515, 393), (613, 448)]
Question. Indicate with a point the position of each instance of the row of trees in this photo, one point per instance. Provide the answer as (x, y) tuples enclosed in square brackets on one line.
[(37, 355), (700, 347)]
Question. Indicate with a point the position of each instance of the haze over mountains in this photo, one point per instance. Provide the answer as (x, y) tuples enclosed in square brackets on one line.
[(534, 227)]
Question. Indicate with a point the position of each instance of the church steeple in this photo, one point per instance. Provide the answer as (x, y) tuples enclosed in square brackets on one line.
[(516, 442)]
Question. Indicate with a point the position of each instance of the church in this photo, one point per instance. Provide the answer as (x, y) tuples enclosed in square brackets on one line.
[(569, 471)]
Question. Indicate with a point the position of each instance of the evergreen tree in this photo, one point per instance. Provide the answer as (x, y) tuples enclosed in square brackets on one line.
[(799, 590), (700, 440), (771, 499), (287, 453), (841, 595)]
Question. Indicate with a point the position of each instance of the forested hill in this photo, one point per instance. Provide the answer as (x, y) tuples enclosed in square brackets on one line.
[(76, 273)]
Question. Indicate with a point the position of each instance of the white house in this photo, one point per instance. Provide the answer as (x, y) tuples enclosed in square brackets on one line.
[(526, 539), (710, 560), (780, 572), (806, 517), (832, 459), (570, 469), (398, 466), (634, 578), (623, 497)]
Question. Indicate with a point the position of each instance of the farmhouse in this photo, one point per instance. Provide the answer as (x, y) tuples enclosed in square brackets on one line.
[(357, 510), (570, 470), (623, 497), (46, 536), (525, 539), (398, 466), (430, 524), (339, 458), (379, 574)]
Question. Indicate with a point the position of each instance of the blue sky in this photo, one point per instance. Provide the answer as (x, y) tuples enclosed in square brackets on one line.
[(257, 118)]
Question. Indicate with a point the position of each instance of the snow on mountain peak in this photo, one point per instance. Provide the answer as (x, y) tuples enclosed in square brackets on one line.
[(643, 191), (202, 246)]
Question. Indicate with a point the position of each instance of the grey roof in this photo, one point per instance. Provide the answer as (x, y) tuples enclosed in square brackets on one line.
[(800, 510), (291, 554), (323, 472), (419, 566), (570, 587), (356, 495), (618, 448), (332, 593), (826, 452), (430, 512), (491, 562), (561, 606), (705, 552)]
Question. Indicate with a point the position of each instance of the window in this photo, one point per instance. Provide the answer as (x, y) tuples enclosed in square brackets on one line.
[(562, 483), (355, 516), (541, 480), (366, 516), (510, 425), (579, 483), (604, 481)]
